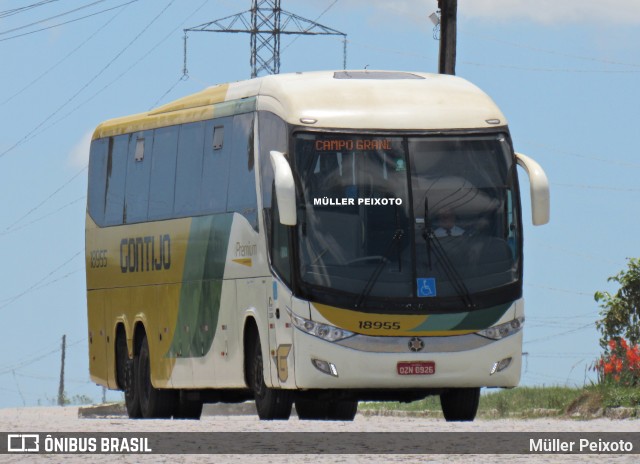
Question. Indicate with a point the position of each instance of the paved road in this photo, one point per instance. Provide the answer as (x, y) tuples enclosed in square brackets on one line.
[(53, 419)]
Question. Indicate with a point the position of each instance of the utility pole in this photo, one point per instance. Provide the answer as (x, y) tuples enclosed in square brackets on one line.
[(61, 387), (448, 31)]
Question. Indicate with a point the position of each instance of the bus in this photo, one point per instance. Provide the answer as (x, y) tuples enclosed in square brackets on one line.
[(310, 239)]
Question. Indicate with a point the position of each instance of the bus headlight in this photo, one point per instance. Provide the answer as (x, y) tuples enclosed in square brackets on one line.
[(324, 331), (503, 330)]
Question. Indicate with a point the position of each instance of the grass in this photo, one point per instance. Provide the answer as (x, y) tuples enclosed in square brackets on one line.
[(529, 402)]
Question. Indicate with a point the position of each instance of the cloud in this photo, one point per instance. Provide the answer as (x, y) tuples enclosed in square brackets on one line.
[(79, 154), (541, 11)]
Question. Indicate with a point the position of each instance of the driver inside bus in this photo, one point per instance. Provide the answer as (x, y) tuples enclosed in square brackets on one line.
[(447, 227)]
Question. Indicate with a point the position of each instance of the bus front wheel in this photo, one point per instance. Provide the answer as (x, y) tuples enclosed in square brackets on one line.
[(460, 404), (271, 404), (154, 403), (337, 410)]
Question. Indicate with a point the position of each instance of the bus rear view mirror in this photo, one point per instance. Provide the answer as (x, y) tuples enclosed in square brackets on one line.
[(539, 186), (285, 188)]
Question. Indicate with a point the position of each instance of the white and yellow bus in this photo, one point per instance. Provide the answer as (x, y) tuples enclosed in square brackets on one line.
[(315, 238)]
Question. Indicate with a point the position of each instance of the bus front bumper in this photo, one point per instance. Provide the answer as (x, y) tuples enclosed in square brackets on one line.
[(324, 365)]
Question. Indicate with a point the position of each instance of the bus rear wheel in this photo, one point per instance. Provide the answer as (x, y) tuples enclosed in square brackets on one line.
[(338, 410), (271, 404), (125, 372), (460, 404), (154, 403)]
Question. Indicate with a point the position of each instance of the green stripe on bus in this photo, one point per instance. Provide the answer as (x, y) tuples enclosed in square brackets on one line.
[(202, 286), (473, 320)]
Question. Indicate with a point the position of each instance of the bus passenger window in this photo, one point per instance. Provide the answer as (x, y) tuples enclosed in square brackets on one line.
[(116, 176), (97, 179), (163, 172)]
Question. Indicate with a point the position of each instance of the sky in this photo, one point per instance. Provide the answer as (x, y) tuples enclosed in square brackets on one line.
[(565, 74)]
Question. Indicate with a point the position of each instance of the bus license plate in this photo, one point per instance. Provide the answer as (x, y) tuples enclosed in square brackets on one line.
[(416, 367)]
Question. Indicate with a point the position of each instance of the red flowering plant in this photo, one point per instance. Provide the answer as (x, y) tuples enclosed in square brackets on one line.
[(620, 329), (620, 364)]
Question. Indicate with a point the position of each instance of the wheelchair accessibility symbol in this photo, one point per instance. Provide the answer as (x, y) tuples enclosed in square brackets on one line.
[(426, 287)]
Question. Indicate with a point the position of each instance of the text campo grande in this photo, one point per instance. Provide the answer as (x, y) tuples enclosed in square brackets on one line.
[(96, 445), (326, 201), (546, 445)]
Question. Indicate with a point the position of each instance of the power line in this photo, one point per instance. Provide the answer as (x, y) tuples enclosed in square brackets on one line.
[(68, 22), (488, 65), (574, 253), (41, 218), (185, 75), (30, 134), (579, 155), (551, 70), (548, 337), (563, 290), (35, 357), (11, 227), (564, 316), (315, 20), (113, 81), (265, 22), (68, 55), (596, 187), (173, 86), (14, 11), (39, 282), (552, 52), (52, 17)]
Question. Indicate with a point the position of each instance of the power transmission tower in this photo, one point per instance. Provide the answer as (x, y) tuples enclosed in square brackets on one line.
[(266, 22)]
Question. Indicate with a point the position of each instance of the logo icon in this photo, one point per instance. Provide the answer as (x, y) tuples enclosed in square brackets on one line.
[(416, 344), (23, 443)]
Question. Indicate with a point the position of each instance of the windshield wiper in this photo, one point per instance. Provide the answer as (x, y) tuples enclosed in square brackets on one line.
[(397, 236), (433, 243)]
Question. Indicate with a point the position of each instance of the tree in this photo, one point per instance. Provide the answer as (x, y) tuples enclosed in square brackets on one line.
[(621, 311)]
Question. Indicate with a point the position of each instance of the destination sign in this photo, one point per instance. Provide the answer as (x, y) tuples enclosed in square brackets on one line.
[(352, 144)]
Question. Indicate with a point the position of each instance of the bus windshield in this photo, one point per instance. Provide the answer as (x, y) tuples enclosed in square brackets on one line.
[(427, 219)]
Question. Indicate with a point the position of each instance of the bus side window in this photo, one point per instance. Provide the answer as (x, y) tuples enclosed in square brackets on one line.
[(241, 196), (215, 166), (138, 173), (116, 179), (163, 172), (97, 179), (189, 169)]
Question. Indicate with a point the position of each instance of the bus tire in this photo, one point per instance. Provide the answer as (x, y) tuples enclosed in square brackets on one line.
[(154, 403), (125, 376), (460, 404), (188, 409), (271, 404), (343, 410)]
